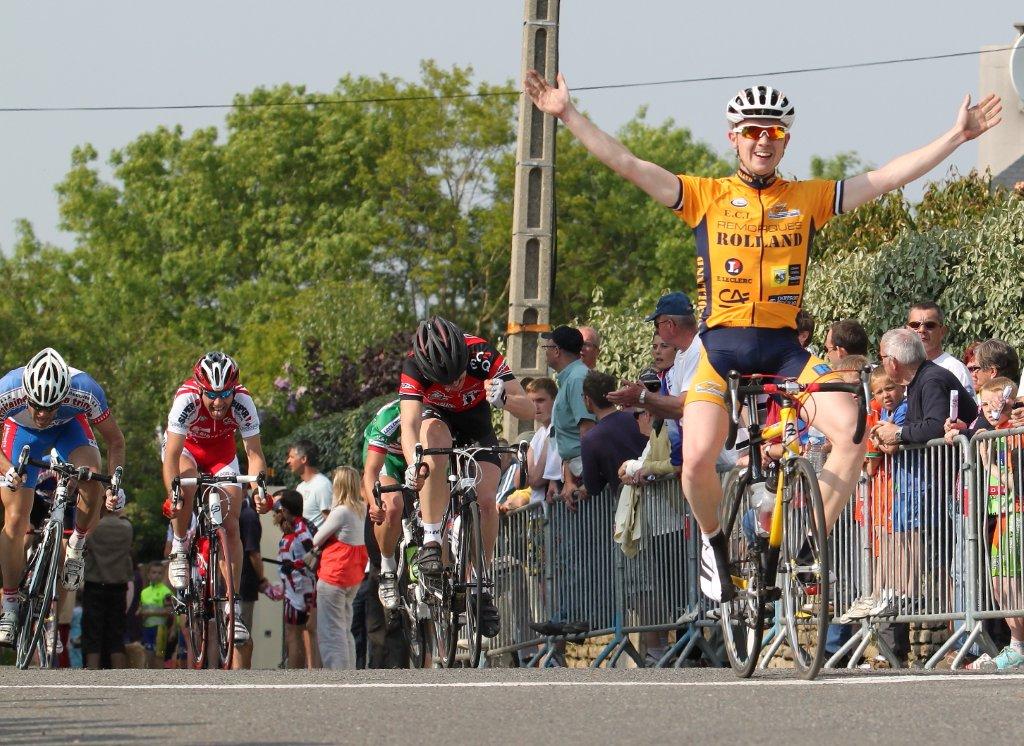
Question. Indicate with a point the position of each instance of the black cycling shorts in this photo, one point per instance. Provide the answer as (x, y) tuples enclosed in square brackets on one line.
[(469, 428)]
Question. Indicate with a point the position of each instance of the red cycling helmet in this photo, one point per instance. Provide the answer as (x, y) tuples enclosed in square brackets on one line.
[(215, 371)]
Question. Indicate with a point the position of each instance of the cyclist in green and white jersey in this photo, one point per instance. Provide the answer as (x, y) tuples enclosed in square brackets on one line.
[(383, 460)]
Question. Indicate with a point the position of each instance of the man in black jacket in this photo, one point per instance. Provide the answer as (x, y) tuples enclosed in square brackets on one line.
[(922, 484), (928, 391)]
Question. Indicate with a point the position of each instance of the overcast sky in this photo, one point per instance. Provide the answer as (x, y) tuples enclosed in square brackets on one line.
[(144, 53)]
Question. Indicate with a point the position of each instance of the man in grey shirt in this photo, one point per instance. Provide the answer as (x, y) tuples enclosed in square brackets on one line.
[(108, 573), (314, 487)]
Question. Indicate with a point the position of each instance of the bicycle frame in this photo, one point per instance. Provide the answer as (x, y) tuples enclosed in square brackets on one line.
[(41, 571)]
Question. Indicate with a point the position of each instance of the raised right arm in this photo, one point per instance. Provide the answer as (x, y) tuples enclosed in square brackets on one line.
[(662, 185)]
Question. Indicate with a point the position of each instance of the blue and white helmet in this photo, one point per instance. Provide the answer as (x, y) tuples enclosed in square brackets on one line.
[(760, 102), (46, 378)]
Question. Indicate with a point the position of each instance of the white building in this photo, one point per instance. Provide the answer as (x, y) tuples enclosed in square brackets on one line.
[(1002, 149)]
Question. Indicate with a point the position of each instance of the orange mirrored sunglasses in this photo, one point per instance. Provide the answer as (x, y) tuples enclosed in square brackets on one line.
[(754, 131)]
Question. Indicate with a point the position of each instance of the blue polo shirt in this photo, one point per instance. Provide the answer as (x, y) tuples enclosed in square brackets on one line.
[(569, 409)]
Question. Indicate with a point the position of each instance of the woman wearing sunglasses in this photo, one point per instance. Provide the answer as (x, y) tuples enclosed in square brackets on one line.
[(49, 405), (208, 409), (753, 233)]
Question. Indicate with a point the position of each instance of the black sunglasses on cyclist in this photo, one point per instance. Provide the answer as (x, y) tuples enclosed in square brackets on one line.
[(45, 410), (218, 394), (929, 325)]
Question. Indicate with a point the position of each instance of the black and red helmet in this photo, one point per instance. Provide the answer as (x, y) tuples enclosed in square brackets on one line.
[(440, 351)]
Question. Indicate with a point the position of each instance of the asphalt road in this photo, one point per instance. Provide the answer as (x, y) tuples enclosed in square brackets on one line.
[(507, 706)]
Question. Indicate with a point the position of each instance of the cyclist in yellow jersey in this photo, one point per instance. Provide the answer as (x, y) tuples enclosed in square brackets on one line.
[(754, 231)]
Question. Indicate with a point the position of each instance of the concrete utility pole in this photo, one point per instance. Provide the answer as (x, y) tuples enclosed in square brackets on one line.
[(533, 214)]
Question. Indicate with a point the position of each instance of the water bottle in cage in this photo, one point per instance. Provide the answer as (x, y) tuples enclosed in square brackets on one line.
[(215, 512), (815, 451), (763, 501)]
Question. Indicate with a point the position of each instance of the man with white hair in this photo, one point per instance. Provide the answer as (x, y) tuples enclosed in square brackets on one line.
[(928, 389), (591, 346)]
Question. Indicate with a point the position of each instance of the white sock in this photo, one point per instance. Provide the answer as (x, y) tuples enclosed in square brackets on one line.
[(1017, 645), (388, 563), (432, 533), (178, 544), (709, 537), (10, 599)]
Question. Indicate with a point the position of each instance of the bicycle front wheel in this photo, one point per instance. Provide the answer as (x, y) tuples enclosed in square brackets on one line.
[(194, 599), (444, 618), (474, 576), (222, 595), (38, 588), (742, 618), (804, 567)]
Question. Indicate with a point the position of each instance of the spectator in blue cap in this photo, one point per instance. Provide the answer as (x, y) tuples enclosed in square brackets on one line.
[(676, 324)]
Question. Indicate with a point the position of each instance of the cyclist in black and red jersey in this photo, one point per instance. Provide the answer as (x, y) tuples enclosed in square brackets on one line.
[(448, 380)]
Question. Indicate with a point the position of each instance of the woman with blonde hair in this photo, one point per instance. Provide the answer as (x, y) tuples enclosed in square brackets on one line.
[(339, 547)]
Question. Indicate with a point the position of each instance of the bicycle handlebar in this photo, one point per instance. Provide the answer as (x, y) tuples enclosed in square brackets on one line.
[(519, 450), (790, 388), (381, 489), (209, 480), (68, 470)]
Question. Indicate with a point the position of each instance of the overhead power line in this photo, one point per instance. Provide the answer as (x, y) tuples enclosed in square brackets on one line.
[(491, 94)]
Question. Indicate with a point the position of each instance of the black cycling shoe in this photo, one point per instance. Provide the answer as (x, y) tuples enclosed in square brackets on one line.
[(490, 622), (428, 560)]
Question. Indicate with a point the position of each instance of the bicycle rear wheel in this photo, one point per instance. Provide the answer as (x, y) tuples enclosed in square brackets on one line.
[(195, 602), (223, 597), (38, 587), (804, 568), (742, 619), (472, 577)]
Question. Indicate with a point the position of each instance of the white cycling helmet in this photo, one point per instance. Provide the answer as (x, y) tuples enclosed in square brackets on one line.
[(760, 102), (46, 378)]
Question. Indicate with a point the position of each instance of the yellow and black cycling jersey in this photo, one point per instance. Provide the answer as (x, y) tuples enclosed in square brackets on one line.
[(753, 245)]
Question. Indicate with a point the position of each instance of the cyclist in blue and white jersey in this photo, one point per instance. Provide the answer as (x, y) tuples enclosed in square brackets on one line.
[(48, 405)]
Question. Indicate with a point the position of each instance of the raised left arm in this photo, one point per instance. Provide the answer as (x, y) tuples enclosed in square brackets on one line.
[(971, 122)]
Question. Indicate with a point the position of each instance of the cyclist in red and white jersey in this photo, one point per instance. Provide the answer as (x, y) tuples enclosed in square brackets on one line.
[(208, 409), (448, 380)]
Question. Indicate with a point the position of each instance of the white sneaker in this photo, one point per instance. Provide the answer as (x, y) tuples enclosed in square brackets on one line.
[(74, 569), (859, 609), (241, 631), (710, 584), (177, 570), (8, 628), (388, 591)]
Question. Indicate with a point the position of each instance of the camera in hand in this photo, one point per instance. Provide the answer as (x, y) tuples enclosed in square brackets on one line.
[(650, 380)]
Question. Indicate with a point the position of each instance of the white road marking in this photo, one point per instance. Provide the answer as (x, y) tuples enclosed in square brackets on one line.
[(860, 680)]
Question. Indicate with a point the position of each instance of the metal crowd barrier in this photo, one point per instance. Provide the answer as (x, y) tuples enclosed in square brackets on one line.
[(562, 567), (934, 534)]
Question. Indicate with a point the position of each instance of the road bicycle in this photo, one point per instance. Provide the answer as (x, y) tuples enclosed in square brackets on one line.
[(454, 599), (37, 612), (774, 518), (207, 600), (412, 611)]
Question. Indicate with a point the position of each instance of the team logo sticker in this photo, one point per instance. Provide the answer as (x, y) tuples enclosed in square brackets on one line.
[(779, 276), (733, 266), (739, 202), (822, 368)]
